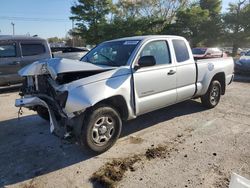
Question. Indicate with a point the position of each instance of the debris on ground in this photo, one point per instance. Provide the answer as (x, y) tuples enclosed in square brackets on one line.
[(113, 172), (221, 182), (135, 140), (158, 152)]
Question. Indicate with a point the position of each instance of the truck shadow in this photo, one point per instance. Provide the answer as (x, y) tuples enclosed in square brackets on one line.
[(28, 150), (158, 116)]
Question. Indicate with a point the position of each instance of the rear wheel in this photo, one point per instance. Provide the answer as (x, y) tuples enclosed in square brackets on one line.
[(212, 97), (101, 129), (43, 112)]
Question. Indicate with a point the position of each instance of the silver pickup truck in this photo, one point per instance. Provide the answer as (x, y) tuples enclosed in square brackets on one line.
[(119, 80)]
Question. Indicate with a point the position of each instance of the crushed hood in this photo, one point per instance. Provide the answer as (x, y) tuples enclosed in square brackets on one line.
[(56, 66)]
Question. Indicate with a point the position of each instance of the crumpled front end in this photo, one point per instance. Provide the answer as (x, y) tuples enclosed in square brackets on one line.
[(38, 91), (30, 102), (46, 85), (67, 88)]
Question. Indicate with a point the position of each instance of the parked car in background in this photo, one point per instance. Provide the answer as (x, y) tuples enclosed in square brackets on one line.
[(243, 64), (229, 50), (75, 53), (242, 53), (17, 52), (205, 53), (119, 80)]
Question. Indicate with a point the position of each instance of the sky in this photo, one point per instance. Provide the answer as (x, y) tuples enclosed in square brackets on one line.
[(45, 18)]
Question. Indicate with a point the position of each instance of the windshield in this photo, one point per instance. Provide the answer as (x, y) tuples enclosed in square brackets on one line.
[(111, 53), (199, 51)]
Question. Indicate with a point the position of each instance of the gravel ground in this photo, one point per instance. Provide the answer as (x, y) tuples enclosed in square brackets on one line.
[(184, 145)]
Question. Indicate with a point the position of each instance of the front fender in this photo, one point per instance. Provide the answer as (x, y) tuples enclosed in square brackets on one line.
[(83, 97)]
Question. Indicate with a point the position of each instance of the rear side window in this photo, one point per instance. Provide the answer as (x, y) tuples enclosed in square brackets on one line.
[(181, 50), (7, 50), (32, 49)]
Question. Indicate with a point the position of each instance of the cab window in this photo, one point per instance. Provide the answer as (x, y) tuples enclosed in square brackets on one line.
[(181, 50), (160, 51), (32, 49), (7, 50)]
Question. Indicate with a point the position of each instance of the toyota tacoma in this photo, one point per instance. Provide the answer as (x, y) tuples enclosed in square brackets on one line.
[(119, 80)]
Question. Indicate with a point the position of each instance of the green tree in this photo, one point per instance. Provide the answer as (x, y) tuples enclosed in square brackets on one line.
[(213, 27), (213, 6), (237, 24), (55, 39), (89, 15), (189, 23)]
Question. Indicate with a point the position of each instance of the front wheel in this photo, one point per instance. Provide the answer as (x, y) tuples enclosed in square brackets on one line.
[(212, 96), (102, 128)]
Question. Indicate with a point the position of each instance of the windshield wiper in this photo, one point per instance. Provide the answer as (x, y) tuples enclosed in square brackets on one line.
[(110, 60)]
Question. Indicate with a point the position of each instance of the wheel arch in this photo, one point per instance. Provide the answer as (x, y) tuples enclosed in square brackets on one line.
[(118, 102), (222, 79)]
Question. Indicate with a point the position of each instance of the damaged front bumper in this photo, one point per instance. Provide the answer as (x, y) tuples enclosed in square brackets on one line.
[(43, 91), (60, 124), (36, 101), (58, 85)]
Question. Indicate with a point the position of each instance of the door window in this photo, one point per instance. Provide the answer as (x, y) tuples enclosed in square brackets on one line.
[(7, 50), (160, 51), (32, 49)]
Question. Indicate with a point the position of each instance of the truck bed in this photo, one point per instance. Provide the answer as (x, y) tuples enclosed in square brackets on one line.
[(209, 67)]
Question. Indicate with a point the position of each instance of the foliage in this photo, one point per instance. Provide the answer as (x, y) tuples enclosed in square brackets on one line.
[(189, 23), (213, 6), (55, 40), (202, 23), (237, 24), (100, 20), (90, 15)]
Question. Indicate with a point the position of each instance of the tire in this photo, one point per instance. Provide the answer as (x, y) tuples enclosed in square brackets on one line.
[(43, 112), (212, 96), (101, 129)]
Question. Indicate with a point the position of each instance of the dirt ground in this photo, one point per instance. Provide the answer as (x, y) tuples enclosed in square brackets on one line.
[(184, 145)]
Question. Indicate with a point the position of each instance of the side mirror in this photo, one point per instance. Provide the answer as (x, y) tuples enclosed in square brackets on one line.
[(146, 61)]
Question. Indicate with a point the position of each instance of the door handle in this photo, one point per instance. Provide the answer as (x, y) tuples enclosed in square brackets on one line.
[(171, 72), (15, 63)]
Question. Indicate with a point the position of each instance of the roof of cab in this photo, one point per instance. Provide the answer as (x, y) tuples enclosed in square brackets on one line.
[(19, 37), (146, 37)]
